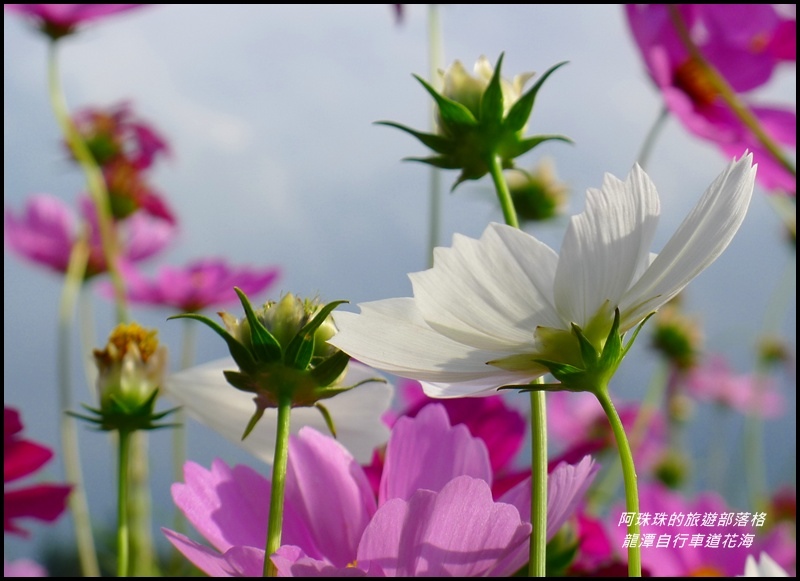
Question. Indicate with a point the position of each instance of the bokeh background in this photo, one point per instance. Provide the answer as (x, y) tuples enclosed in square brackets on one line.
[(276, 160)]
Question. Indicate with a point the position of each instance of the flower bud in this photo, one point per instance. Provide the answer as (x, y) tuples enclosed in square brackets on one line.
[(677, 336), (537, 195)]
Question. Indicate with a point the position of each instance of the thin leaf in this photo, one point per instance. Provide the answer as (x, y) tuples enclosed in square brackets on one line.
[(451, 112), (435, 142), (266, 347), (521, 110), (240, 353), (301, 347), (492, 99)]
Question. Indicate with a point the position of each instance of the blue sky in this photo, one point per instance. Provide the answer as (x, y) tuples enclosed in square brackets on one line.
[(270, 111)]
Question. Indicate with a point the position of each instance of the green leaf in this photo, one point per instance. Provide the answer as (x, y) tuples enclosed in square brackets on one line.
[(525, 145), (329, 370), (252, 423), (240, 381), (301, 347), (612, 351), (435, 142), (588, 353), (451, 112), (521, 110), (440, 161), (265, 346), (240, 353), (492, 100)]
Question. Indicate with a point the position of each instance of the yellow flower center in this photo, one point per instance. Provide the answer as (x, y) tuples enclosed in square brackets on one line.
[(124, 336)]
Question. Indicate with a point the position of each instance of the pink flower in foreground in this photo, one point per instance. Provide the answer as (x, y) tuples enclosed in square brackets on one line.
[(22, 458), (434, 514), (501, 428), (57, 20), (744, 42), (200, 284), (706, 537), (23, 568), (747, 393), (47, 229)]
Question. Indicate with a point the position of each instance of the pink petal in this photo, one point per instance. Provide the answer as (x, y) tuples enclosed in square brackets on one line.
[(426, 452), (44, 502), (291, 561), (237, 562)]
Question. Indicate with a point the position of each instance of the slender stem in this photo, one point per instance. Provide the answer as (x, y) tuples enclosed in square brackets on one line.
[(650, 139), (435, 183), (123, 539), (727, 93), (278, 486), (538, 550), (79, 506), (537, 561), (142, 549), (95, 181), (503, 193), (629, 477)]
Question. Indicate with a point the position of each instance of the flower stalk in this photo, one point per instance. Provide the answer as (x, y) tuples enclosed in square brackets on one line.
[(277, 492), (123, 531)]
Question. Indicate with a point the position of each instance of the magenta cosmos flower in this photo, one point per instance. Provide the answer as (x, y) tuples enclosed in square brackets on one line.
[(21, 458), (746, 393), (501, 428), (434, 514), (47, 229), (200, 284), (745, 43), (57, 20), (706, 537)]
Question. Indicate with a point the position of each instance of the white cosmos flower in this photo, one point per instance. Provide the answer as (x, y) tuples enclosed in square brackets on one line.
[(205, 394), (490, 308), (766, 567)]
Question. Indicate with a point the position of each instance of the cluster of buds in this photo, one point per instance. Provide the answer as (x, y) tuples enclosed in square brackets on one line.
[(282, 353), (130, 369), (479, 118)]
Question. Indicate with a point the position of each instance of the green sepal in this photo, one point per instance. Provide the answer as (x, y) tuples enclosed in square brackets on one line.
[(492, 101), (517, 148), (440, 161), (589, 354), (636, 334), (252, 423), (452, 113), (265, 346), (326, 415), (612, 350), (435, 142), (241, 381), (330, 369), (528, 387), (521, 110), (240, 353), (120, 417), (301, 347)]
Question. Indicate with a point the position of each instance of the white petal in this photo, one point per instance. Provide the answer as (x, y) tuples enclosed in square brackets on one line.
[(700, 239), (207, 396), (391, 335), (489, 293), (606, 246)]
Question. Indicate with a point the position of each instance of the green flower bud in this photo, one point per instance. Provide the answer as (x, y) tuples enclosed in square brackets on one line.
[(479, 118), (537, 195), (130, 371), (282, 352), (677, 336)]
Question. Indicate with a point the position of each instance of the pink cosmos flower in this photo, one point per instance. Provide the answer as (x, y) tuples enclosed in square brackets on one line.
[(706, 537), (434, 514), (47, 229), (57, 20), (200, 284), (115, 132), (21, 458), (747, 393), (23, 568), (745, 43), (501, 428)]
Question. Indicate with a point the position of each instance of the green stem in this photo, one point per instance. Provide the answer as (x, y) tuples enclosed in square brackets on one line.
[(123, 540), (278, 486), (95, 181), (650, 139), (78, 505), (538, 550), (142, 550), (435, 183), (538, 556), (727, 93), (629, 477)]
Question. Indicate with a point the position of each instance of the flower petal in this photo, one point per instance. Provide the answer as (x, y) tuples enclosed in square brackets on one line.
[(606, 247), (208, 397), (237, 562), (458, 532), (700, 239), (489, 293), (329, 500), (425, 452)]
